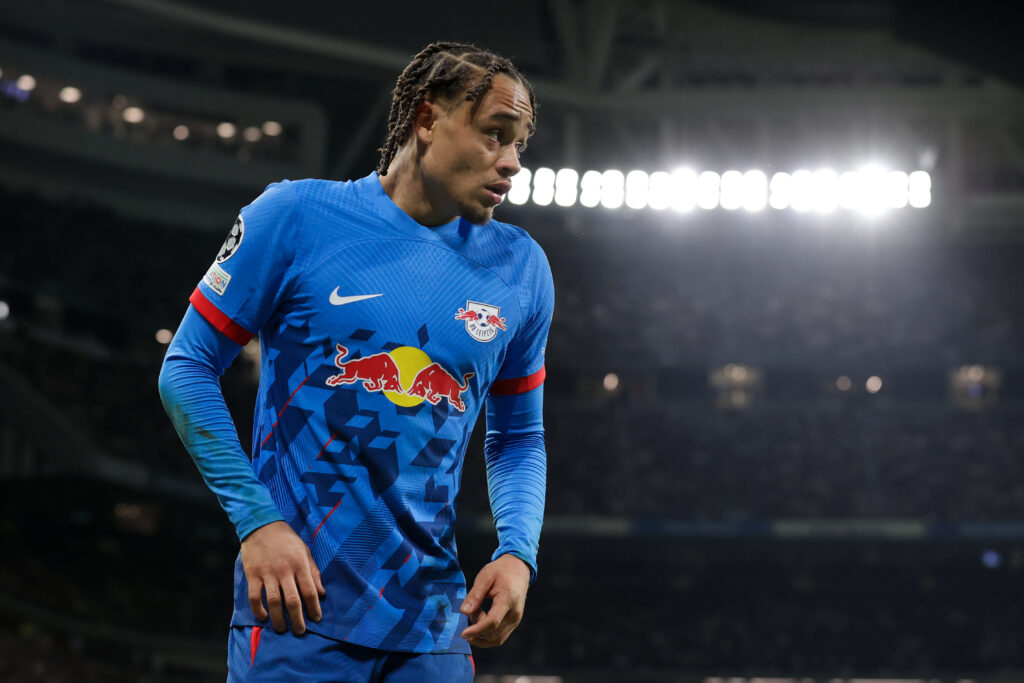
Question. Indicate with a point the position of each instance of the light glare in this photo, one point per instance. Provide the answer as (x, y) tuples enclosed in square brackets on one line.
[(272, 128), (660, 193), (543, 186), (637, 188), (590, 189), (134, 115), (566, 181), (520, 192), (684, 189), (226, 129), (180, 133), (708, 184), (612, 190), (755, 190), (70, 94), (26, 82)]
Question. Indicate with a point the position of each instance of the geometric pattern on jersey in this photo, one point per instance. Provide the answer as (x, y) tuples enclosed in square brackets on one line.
[(365, 408)]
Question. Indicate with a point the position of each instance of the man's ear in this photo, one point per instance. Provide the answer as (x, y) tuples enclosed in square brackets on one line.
[(423, 121)]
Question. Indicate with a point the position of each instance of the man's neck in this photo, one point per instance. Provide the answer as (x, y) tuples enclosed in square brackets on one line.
[(408, 189)]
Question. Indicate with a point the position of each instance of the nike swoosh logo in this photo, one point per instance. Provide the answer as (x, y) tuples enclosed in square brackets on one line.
[(342, 300)]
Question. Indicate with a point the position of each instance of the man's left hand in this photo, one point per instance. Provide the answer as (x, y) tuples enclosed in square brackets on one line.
[(505, 581)]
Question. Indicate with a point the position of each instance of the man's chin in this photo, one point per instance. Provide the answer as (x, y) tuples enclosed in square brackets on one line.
[(478, 215)]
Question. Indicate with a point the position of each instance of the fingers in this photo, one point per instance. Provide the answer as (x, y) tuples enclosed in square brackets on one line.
[(274, 603), (308, 590), (293, 603), (256, 599), (492, 622), (475, 597), (315, 571)]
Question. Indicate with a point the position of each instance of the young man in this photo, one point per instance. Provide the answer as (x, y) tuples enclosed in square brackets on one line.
[(389, 311)]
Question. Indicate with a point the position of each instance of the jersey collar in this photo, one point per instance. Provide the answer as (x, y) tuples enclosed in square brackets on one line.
[(449, 232)]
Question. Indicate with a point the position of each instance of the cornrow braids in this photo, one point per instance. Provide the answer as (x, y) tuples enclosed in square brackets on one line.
[(443, 70)]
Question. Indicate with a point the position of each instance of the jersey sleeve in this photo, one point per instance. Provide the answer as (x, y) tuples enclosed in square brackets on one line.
[(523, 368), (254, 267)]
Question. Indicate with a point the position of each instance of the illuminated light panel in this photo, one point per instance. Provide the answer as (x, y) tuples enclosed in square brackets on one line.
[(638, 185), (870, 190), (520, 192), (543, 186), (133, 115), (685, 183), (732, 190), (566, 186), (26, 82), (70, 94), (659, 196), (612, 189), (708, 184)]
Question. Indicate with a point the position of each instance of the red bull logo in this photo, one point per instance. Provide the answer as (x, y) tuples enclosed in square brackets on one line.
[(406, 376), (482, 320)]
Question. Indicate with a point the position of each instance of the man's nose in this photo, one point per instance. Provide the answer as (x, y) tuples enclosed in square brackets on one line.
[(509, 164)]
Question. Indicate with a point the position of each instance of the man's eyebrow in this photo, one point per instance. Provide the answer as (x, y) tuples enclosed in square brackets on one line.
[(510, 116)]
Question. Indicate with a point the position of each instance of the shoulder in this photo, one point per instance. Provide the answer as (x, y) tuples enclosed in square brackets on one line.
[(519, 258), (516, 241)]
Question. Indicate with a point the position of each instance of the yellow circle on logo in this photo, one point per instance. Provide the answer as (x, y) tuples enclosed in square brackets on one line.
[(410, 361)]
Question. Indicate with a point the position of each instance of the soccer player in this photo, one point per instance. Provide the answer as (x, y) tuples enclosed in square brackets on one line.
[(389, 311)]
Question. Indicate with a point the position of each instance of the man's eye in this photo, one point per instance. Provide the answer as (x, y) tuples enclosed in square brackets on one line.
[(494, 135)]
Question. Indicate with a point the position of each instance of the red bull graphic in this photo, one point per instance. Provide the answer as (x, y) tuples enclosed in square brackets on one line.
[(482, 320), (405, 375), (434, 383), (378, 372)]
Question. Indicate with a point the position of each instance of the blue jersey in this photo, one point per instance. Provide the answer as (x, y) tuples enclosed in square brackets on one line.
[(380, 339)]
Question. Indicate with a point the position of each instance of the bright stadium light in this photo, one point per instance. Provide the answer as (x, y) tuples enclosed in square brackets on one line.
[(543, 186), (272, 128), (732, 190), (781, 191), (897, 189), (874, 384), (26, 82), (802, 198), (843, 383), (520, 192), (70, 94), (659, 196), (708, 184), (566, 181), (180, 132), (252, 134), (612, 190), (755, 190), (590, 189), (825, 190), (919, 185), (685, 184), (226, 130), (164, 336), (133, 115), (638, 186), (872, 199)]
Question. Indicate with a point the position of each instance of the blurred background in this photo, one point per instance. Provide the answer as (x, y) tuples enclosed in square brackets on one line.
[(785, 396)]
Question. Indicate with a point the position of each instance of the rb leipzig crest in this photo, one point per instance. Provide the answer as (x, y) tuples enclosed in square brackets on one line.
[(482, 320)]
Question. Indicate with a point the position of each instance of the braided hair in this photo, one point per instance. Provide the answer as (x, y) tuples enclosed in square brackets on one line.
[(443, 70)]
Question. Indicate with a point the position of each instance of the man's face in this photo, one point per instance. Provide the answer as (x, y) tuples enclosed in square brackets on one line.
[(474, 150)]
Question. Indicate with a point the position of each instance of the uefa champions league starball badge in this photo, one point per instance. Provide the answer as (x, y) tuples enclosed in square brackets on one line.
[(233, 241)]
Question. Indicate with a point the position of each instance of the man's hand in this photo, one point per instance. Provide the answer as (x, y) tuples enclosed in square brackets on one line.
[(505, 581), (275, 558)]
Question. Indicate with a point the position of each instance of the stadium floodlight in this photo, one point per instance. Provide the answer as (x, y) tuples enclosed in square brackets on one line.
[(659, 195), (897, 189), (543, 186), (872, 199), (272, 128), (781, 191), (825, 190), (566, 186), (133, 115), (919, 189), (708, 184), (611, 382), (638, 185), (802, 199), (164, 336), (685, 184), (732, 190), (843, 383), (26, 82), (755, 190), (590, 189), (520, 192), (612, 189), (874, 384), (70, 94), (252, 134), (180, 132), (226, 130)]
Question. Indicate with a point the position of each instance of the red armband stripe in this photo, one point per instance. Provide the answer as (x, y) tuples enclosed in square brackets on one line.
[(226, 325), (518, 385)]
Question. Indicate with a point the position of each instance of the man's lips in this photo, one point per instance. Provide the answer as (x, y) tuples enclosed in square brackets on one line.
[(497, 191)]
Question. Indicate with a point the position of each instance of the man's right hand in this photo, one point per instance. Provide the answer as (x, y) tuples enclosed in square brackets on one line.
[(276, 559)]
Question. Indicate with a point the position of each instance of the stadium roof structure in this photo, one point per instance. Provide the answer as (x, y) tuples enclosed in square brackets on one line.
[(645, 84)]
